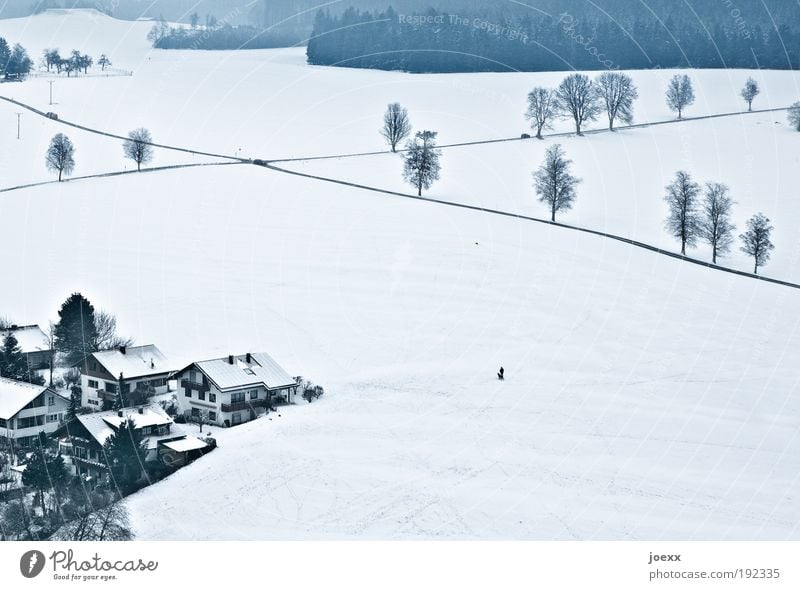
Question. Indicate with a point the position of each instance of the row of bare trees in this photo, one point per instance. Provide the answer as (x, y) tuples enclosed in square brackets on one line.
[(60, 156), (75, 62), (703, 213), (583, 100), (690, 219)]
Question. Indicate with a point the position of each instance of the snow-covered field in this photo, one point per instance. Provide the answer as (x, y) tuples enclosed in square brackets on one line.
[(645, 398)]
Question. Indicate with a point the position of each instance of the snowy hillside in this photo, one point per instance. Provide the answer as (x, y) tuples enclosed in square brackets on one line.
[(645, 398), (87, 30)]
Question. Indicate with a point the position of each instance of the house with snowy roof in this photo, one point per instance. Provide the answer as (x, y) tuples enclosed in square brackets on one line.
[(33, 342), (82, 439), (134, 373), (27, 410), (233, 389)]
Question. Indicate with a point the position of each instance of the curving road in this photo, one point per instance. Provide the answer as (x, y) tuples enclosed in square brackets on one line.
[(544, 135), (615, 237)]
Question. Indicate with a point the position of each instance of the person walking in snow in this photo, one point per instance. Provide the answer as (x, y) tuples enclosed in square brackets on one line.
[(501, 374)]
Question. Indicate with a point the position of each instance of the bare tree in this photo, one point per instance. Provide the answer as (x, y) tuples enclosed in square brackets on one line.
[(794, 116), (7, 478), (617, 91), (749, 92), (137, 147), (106, 337), (421, 167), (715, 219), (680, 93), (577, 99), (554, 183), (17, 522), (542, 105), (682, 221), (60, 155), (396, 125), (101, 522), (756, 241), (200, 418)]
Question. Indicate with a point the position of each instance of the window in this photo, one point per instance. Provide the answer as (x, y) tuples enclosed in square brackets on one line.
[(212, 416), (53, 418), (80, 452), (193, 376), (111, 387), (236, 418), (249, 371), (93, 383), (94, 402), (158, 382), (51, 401), (188, 392), (2, 423), (201, 395), (145, 430), (212, 397), (30, 422), (93, 366), (254, 394), (237, 398), (195, 413), (126, 388)]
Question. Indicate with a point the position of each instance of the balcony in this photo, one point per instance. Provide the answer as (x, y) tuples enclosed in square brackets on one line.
[(245, 405), (202, 387)]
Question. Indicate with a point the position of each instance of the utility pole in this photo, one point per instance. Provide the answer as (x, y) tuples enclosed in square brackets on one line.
[(19, 116), (51, 91)]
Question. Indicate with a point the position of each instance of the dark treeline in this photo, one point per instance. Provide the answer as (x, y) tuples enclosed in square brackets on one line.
[(715, 34), (220, 37)]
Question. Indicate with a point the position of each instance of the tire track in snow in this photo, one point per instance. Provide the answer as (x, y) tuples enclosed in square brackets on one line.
[(120, 137), (111, 174)]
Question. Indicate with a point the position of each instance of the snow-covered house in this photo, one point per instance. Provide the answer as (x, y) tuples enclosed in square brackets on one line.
[(27, 410), (82, 439), (234, 389), (137, 372), (34, 345)]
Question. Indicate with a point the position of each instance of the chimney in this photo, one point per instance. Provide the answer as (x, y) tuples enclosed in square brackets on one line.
[(141, 410), (123, 349), (248, 358), (119, 413), (152, 364), (230, 359)]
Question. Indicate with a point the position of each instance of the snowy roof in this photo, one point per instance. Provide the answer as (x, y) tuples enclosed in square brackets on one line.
[(136, 361), (15, 395), (101, 425), (30, 338), (189, 443), (261, 370)]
